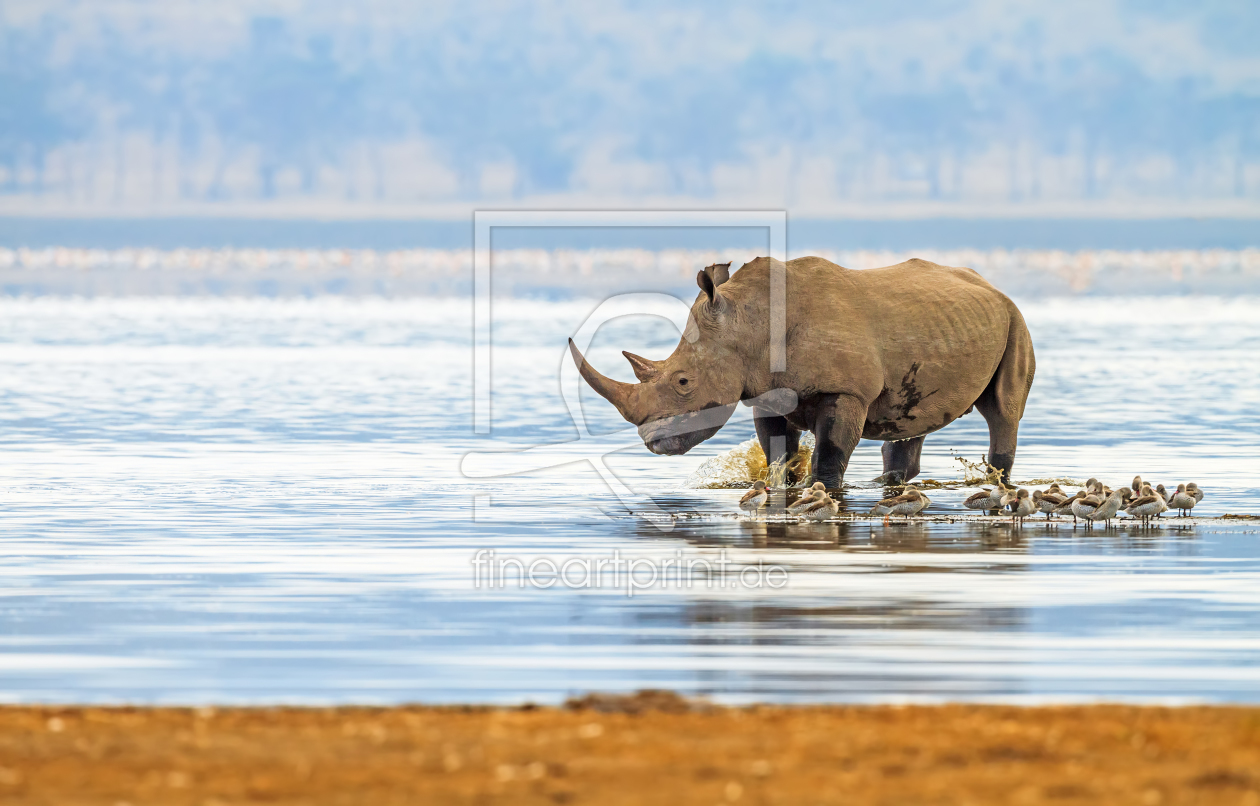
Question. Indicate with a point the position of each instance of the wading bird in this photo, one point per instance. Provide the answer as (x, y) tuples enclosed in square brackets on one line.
[(911, 502), (822, 508), (989, 499), (1182, 501), (1021, 507), (754, 499), (1147, 505), (807, 498)]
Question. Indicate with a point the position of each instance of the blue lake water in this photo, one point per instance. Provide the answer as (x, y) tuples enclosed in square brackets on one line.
[(215, 500)]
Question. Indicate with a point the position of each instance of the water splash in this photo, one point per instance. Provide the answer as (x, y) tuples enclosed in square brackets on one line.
[(746, 462), (979, 473)]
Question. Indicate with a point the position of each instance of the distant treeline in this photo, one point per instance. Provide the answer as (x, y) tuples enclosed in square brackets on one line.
[(132, 103), (566, 273)]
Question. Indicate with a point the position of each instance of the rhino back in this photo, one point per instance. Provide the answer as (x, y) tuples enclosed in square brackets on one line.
[(918, 342)]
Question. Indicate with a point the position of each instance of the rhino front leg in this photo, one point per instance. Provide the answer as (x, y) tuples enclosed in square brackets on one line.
[(901, 460), (779, 440), (836, 433)]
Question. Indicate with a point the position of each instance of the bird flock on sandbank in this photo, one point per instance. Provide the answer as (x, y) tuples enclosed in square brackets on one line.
[(1094, 503)]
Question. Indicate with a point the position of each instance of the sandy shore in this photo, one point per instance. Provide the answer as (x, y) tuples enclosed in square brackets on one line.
[(649, 748)]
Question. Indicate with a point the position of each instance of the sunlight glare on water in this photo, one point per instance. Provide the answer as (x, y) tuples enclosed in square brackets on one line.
[(261, 500)]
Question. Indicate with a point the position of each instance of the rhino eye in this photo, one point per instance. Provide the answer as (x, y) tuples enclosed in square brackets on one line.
[(682, 381)]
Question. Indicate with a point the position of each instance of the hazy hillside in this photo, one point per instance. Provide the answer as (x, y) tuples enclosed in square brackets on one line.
[(132, 103)]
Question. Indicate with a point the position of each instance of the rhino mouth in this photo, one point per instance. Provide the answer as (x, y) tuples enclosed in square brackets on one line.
[(680, 444), (672, 436)]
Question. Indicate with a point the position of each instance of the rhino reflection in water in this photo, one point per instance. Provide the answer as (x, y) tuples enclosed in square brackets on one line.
[(891, 354)]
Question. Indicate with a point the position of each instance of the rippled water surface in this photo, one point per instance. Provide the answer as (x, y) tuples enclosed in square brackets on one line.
[(245, 501)]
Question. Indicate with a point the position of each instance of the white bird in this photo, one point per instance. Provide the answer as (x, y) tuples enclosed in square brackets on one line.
[(1193, 489), (754, 499)]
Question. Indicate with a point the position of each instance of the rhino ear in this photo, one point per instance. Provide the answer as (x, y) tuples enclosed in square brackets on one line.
[(707, 286), (644, 369), (720, 272)]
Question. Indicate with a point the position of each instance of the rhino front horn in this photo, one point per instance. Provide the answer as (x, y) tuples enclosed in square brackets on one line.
[(615, 392)]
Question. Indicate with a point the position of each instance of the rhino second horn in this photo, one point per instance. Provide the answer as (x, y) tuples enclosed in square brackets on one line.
[(615, 392), (720, 272), (644, 369)]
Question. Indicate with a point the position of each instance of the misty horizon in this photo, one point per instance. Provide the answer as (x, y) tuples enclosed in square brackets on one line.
[(311, 108)]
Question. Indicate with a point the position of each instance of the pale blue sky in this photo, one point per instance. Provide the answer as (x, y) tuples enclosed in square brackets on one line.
[(814, 107)]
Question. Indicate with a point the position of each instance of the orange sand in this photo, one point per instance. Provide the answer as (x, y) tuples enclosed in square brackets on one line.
[(652, 748)]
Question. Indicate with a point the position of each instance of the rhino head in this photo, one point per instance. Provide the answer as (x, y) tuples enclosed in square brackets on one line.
[(685, 399)]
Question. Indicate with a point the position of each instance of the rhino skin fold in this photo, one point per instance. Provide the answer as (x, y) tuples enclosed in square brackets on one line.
[(889, 354)]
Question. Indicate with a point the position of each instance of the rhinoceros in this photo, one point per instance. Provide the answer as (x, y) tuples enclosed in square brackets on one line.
[(889, 354)]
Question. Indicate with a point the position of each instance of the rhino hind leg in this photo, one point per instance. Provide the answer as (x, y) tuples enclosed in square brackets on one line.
[(1003, 434), (779, 440), (837, 429), (1002, 403), (901, 460)]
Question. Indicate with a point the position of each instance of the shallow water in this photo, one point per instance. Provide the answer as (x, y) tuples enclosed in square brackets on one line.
[(261, 500)]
